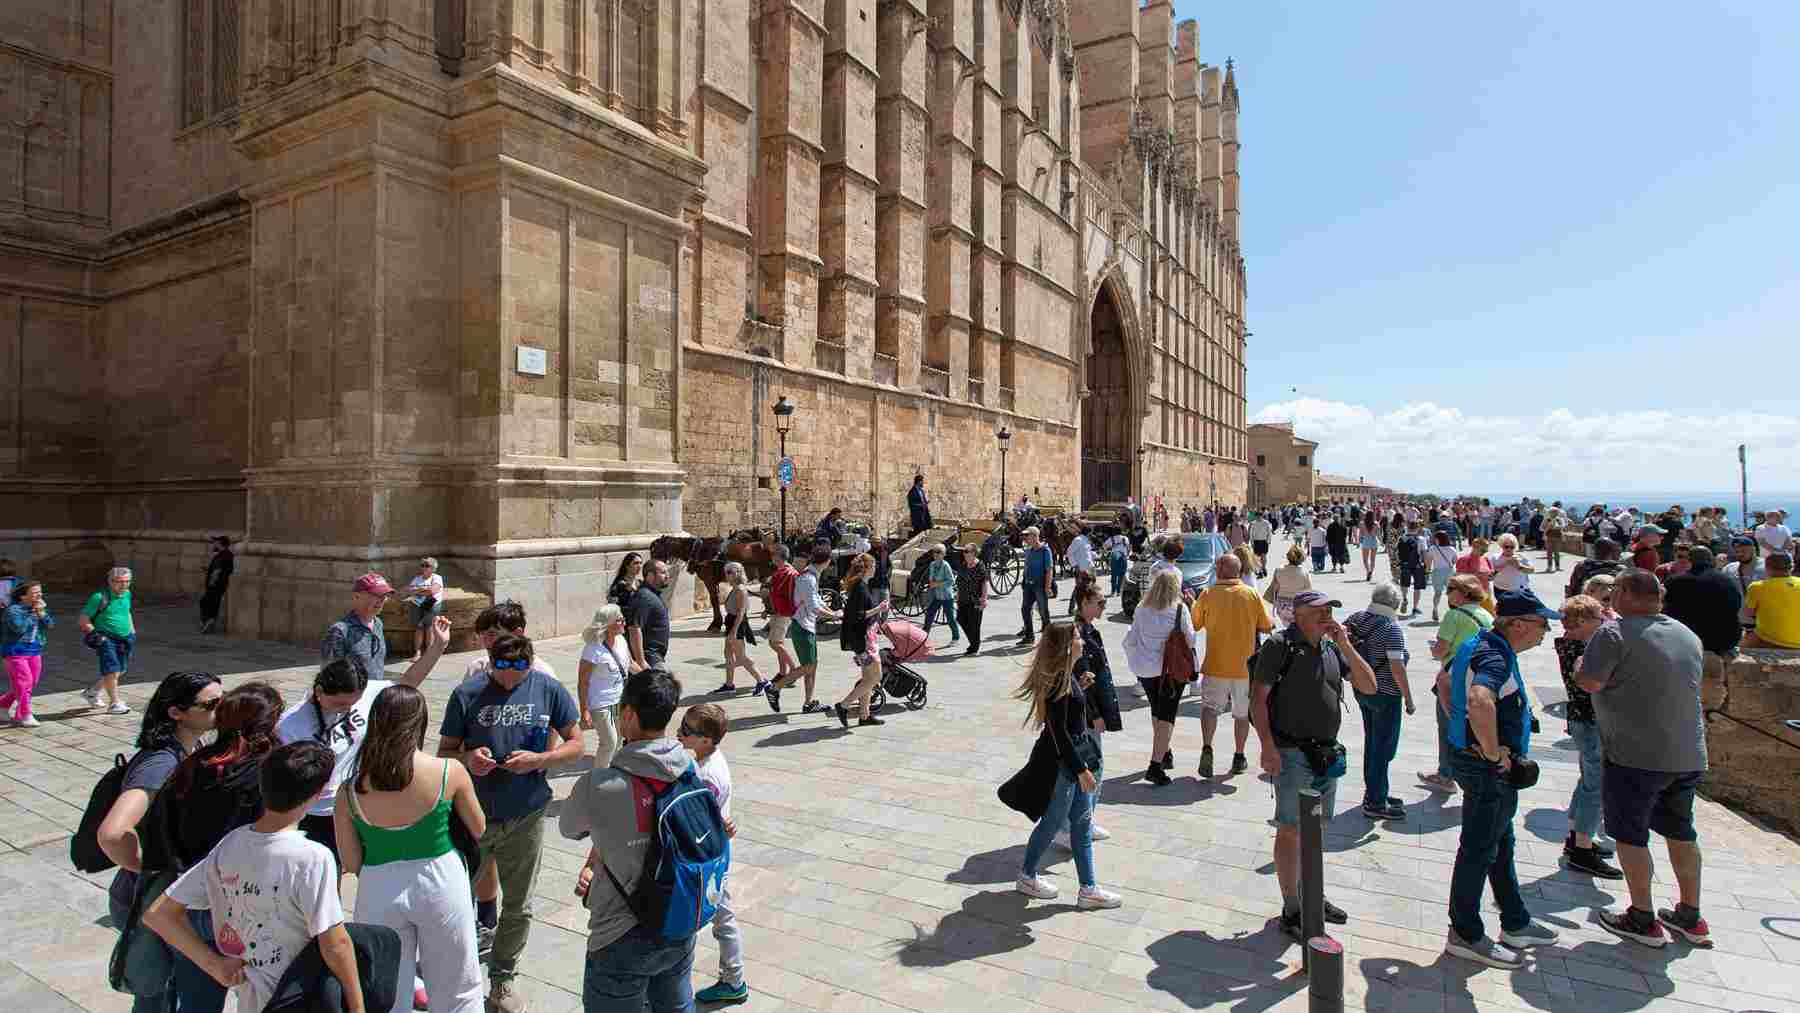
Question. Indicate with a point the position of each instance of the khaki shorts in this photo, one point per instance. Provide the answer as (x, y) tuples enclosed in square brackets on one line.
[(1220, 695), (778, 628)]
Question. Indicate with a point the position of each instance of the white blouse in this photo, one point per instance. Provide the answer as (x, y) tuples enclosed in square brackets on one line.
[(612, 662), (1150, 631)]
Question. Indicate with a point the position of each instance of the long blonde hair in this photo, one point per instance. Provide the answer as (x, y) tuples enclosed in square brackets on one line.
[(1049, 677), (1165, 590), (1247, 556)]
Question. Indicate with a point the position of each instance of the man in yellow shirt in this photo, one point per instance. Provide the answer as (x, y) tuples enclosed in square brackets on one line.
[(1231, 613), (1775, 603)]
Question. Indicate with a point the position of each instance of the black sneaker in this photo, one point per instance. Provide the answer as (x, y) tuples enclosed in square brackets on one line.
[(1155, 775), (814, 707), (1290, 926), (1601, 849), (773, 695), (1168, 759), (1637, 926), (1206, 762), (1239, 763), (1688, 925), (843, 714), (1334, 914), (724, 690), (871, 720), (1383, 811), (1589, 861), (760, 688), (972, 649)]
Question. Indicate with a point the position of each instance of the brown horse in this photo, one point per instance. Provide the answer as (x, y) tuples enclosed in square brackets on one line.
[(706, 559)]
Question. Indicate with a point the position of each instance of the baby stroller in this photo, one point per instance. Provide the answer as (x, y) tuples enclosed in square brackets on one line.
[(908, 643)]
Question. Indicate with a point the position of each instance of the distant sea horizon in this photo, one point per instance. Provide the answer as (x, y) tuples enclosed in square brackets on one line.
[(1654, 502)]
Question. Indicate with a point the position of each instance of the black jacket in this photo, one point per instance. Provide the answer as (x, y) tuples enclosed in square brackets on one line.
[(1103, 698), (1707, 602), (183, 829), (919, 508), (1066, 745)]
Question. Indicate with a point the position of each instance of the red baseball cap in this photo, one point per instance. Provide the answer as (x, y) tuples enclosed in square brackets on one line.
[(372, 583)]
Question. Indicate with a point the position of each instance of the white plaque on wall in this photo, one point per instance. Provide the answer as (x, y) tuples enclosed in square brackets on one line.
[(533, 361)]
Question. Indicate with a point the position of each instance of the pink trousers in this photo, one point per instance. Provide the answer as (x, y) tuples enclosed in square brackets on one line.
[(24, 670)]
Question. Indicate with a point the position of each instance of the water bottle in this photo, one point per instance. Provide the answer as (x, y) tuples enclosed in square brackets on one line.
[(538, 739)]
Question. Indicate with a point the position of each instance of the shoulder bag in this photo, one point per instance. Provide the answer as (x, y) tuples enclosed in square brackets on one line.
[(1177, 660)]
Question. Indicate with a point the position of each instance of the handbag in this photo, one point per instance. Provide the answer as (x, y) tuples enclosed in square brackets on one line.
[(92, 638), (1177, 661)]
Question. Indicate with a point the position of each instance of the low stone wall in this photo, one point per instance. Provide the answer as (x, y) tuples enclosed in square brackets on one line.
[(1751, 772)]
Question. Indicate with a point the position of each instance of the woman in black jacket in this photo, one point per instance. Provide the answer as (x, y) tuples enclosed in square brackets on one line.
[(1062, 710), (1102, 697), (856, 636)]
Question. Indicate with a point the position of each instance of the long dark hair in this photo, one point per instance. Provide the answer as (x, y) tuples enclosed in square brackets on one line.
[(340, 676), (624, 565), (178, 689), (245, 721), (396, 733)]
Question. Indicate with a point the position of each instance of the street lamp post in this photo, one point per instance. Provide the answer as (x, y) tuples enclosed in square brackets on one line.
[(784, 420), (1212, 483), (1141, 496), (1004, 438)]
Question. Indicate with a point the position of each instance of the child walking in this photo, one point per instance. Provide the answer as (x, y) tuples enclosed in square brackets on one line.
[(702, 730)]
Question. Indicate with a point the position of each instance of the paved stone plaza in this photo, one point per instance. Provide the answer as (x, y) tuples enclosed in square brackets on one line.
[(873, 868)]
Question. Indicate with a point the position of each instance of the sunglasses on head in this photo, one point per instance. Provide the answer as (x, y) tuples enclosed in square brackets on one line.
[(519, 664)]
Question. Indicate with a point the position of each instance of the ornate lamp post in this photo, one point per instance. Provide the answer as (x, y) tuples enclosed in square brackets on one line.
[(1212, 482), (784, 420), (1141, 497), (1004, 439)]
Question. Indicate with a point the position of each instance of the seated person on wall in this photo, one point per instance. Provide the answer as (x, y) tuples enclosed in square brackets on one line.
[(1774, 602)]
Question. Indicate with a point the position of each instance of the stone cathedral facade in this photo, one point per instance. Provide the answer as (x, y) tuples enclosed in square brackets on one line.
[(516, 283)]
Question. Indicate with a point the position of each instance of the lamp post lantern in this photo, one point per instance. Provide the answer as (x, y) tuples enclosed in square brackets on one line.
[(784, 420), (1004, 439)]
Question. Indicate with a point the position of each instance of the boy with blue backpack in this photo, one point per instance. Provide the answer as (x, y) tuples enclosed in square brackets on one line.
[(661, 849)]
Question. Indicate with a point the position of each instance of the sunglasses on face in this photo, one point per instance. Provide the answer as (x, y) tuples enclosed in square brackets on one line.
[(689, 731), (518, 664), (203, 705)]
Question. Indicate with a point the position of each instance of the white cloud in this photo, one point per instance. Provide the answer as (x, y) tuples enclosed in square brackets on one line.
[(1427, 447)]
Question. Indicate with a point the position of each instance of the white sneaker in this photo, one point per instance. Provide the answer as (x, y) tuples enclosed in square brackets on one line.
[(1101, 833), (1094, 898), (91, 695), (1533, 934), (1035, 886), (26, 722), (1483, 951), (119, 707)]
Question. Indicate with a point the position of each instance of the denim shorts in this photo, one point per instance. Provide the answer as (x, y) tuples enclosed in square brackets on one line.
[(1637, 802), (1296, 775), (114, 653)]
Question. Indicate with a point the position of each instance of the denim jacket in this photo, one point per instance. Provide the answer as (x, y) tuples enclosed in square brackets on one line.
[(22, 632)]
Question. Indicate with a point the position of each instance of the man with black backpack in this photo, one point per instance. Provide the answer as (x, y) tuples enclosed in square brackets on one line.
[(662, 850)]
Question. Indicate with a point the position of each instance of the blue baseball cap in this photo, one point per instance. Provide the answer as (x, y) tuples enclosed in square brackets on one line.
[(1522, 603)]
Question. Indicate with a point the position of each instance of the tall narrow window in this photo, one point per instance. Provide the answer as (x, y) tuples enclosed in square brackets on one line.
[(209, 68)]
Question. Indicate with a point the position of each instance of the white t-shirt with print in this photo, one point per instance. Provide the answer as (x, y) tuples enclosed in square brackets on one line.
[(345, 737), (715, 773), (612, 662), (1774, 538), (270, 895)]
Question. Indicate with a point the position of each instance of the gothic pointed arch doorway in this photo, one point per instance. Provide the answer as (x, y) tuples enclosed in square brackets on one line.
[(1108, 415)]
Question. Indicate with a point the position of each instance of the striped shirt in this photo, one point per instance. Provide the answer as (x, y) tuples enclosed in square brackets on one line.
[(1379, 640)]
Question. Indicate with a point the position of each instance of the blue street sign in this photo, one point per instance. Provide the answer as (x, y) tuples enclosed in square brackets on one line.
[(784, 472)]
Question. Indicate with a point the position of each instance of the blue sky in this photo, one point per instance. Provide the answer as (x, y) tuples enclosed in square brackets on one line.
[(1506, 210)]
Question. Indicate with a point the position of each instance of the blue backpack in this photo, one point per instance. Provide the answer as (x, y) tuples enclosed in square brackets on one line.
[(685, 860)]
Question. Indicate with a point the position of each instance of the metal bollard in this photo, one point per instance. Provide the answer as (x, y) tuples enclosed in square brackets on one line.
[(1325, 975), (1312, 865)]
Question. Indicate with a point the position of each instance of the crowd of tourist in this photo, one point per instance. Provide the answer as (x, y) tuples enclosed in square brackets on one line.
[(240, 812)]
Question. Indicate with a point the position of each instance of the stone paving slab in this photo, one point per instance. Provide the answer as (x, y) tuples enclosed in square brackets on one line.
[(873, 868)]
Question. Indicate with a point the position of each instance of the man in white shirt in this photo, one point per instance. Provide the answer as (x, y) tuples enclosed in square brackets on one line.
[(1081, 558), (1774, 535), (808, 607)]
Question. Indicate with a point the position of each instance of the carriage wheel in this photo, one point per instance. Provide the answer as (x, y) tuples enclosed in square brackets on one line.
[(834, 600), (911, 605), (877, 700), (916, 699), (1003, 572)]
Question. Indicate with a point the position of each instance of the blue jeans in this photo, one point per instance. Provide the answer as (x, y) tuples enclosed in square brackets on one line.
[(1484, 854), (193, 989), (1585, 808), (1034, 592), (947, 607), (1445, 751), (1381, 740), (1318, 558), (636, 966), (1070, 809), (1118, 574)]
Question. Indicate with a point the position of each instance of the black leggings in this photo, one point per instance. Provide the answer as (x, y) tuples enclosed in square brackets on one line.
[(969, 616)]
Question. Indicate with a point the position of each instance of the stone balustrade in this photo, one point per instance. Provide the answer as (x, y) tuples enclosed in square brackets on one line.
[(1754, 757)]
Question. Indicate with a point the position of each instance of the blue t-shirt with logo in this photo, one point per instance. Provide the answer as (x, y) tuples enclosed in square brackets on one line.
[(482, 712)]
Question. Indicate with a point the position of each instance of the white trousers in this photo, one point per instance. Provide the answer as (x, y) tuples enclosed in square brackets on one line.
[(730, 940), (429, 903)]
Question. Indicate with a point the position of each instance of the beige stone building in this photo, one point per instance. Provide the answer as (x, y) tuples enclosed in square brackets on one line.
[(517, 282), (1283, 466), (1348, 487)]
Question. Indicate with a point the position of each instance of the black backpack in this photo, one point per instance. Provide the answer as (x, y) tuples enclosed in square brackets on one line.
[(1407, 548), (84, 847)]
